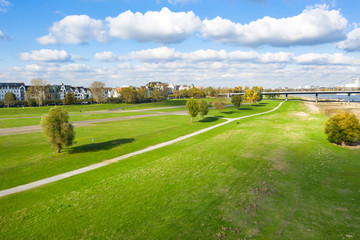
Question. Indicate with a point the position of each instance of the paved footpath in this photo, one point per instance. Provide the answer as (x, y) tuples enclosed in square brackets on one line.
[(107, 162)]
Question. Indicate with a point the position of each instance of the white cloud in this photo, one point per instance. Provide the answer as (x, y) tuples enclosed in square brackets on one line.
[(352, 43), (4, 5), (279, 57), (3, 36), (106, 56), (156, 55), (325, 59), (161, 27), (315, 25), (75, 29), (46, 55), (165, 54)]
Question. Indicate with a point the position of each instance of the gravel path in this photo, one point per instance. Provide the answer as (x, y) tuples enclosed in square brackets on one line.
[(106, 162)]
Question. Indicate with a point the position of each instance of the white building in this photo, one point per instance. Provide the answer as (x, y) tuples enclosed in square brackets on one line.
[(18, 89), (79, 92)]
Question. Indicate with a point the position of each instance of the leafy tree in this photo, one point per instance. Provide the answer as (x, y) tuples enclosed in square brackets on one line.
[(59, 132), (39, 91), (203, 108), (219, 104), (237, 100), (141, 94), (31, 102), (343, 128), (128, 95), (192, 107), (251, 96), (69, 98), (97, 90), (156, 95), (9, 99), (258, 91)]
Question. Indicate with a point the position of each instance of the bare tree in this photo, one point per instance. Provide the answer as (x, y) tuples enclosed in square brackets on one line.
[(39, 91), (97, 89)]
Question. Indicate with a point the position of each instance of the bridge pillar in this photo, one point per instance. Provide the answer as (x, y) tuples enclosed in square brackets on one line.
[(316, 97), (348, 97), (286, 97)]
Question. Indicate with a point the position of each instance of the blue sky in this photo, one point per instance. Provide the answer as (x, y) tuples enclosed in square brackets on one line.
[(205, 42)]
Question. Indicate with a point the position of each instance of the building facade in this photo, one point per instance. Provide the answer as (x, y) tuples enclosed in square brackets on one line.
[(18, 89)]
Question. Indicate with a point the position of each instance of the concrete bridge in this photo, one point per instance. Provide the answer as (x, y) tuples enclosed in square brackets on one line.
[(316, 93)]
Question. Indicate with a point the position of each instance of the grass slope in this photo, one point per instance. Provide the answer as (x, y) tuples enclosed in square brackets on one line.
[(28, 157), (238, 181)]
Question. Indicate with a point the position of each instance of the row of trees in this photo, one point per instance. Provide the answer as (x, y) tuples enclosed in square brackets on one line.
[(197, 107)]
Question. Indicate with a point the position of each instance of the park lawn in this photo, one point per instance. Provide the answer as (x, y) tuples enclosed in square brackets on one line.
[(238, 181), (232, 112), (38, 111), (168, 109), (8, 123), (28, 157)]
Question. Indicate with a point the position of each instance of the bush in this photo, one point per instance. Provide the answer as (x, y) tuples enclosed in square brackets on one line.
[(343, 128)]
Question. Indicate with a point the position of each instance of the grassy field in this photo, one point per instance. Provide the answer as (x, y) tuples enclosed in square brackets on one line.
[(20, 122), (28, 157), (38, 111), (238, 181)]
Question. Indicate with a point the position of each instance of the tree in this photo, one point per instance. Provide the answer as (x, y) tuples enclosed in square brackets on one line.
[(219, 104), (156, 95), (192, 107), (237, 100), (56, 127), (343, 128), (258, 91), (9, 99), (69, 98), (203, 108), (39, 90), (128, 95), (164, 90), (251, 96), (97, 89), (141, 94)]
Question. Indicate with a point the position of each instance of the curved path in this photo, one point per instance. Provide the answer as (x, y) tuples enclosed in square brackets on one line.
[(107, 162)]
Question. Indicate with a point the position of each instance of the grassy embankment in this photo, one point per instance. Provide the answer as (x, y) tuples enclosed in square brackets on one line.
[(86, 112), (79, 112), (237, 181)]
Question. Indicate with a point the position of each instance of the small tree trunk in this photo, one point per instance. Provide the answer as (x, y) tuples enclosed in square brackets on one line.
[(191, 120), (58, 148)]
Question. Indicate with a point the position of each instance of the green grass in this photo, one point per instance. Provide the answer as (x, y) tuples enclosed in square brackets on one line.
[(28, 157), (245, 109), (8, 123), (38, 111), (238, 181)]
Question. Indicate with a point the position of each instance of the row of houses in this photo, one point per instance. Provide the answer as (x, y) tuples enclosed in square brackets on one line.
[(60, 91)]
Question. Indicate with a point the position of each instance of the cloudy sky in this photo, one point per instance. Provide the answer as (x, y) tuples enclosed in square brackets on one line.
[(271, 43)]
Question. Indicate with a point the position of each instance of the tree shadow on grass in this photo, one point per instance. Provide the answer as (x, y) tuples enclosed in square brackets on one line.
[(245, 108), (94, 147), (209, 119)]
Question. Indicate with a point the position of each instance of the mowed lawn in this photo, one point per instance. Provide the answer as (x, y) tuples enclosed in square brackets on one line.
[(38, 111), (20, 122), (28, 157), (238, 181)]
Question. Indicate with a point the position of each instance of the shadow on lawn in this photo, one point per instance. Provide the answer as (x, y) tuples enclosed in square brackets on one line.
[(209, 119), (94, 147)]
